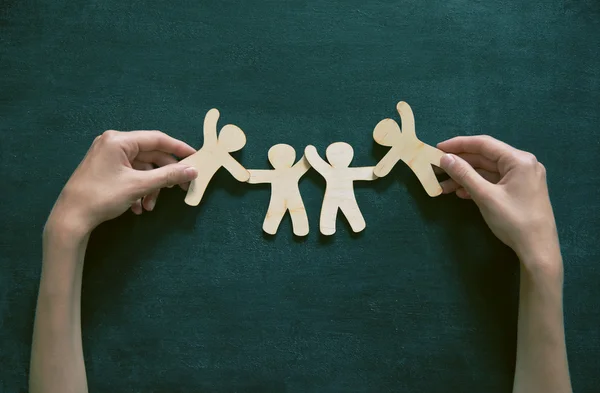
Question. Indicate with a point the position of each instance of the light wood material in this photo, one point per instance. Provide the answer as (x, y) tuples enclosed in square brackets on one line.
[(213, 155), (407, 147), (285, 194), (339, 193)]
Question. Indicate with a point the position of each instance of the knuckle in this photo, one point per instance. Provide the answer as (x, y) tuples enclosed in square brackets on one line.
[(542, 169), (462, 172), (529, 160), (170, 178), (485, 138), (109, 136)]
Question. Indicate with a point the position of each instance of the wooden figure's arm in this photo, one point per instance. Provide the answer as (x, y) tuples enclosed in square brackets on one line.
[(258, 176), (388, 161), (434, 155), (363, 173), (315, 160), (235, 168), (210, 127), (301, 167), (408, 119)]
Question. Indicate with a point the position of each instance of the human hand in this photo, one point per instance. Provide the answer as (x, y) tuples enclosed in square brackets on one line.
[(509, 187), (118, 173)]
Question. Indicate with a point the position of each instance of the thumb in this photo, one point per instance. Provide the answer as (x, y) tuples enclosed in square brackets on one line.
[(464, 174), (166, 176)]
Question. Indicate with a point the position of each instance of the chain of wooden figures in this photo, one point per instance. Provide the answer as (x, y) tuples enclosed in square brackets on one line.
[(340, 177)]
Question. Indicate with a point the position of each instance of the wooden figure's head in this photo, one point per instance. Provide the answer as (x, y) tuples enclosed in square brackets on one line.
[(387, 132), (232, 138), (282, 156), (339, 154)]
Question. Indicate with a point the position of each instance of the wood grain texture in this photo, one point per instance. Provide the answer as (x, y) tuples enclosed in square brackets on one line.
[(214, 154), (339, 193), (285, 194), (407, 147)]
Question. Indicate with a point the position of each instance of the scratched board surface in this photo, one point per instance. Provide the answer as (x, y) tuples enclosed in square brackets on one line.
[(192, 299)]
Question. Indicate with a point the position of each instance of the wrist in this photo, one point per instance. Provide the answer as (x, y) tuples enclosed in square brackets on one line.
[(542, 262), (66, 226)]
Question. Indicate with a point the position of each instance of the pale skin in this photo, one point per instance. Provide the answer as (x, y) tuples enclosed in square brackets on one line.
[(339, 192), (285, 194), (107, 183)]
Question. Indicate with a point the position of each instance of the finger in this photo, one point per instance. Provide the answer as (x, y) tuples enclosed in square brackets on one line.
[(149, 200), (450, 185), (492, 177), (485, 145), (465, 175), (165, 176), (479, 161), (136, 208), (156, 140), (141, 166), (463, 194), (157, 158), (438, 170)]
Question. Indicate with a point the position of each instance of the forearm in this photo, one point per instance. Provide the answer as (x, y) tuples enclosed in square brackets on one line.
[(541, 351), (56, 354)]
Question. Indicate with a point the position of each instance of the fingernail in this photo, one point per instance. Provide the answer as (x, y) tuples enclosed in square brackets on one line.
[(151, 204), (447, 160), (190, 172)]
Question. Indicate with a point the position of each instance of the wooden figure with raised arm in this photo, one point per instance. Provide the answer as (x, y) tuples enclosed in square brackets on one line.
[(285, 194), (407, 147), (214, 154), (339, 192)]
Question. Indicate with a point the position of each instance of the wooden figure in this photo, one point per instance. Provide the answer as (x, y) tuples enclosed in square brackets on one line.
[(285, 194), (339, 192), (213, 155), (407, 147)]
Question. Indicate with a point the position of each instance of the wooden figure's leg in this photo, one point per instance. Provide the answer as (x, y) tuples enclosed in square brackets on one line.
[(196, 190), (355, 218), (275, 213), (424, 171), (328, 215), (298, 215)]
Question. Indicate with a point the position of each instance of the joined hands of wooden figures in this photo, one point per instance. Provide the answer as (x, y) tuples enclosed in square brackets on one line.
[(407, 147), (339, 192), (285, 194), (339, 176), (213, 155)]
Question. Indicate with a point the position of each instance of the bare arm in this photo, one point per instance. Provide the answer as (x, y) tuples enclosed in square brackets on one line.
[(511, 193), (99, 189), (57, 355), (258, 176), (541, 352), (235, 168), (316, 161), (363, 173)]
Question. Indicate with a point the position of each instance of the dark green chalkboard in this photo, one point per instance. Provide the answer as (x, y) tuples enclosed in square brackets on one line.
[(198, 299)]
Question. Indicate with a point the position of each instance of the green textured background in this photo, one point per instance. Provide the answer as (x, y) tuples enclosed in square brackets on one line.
[(198, 299)]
